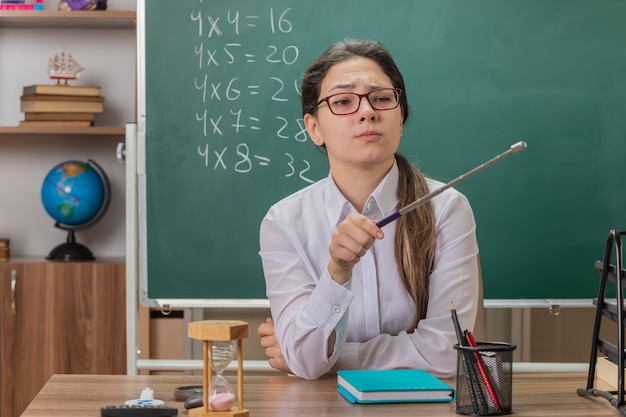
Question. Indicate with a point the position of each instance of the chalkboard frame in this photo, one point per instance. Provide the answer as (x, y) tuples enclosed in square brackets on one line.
[(527, 189)]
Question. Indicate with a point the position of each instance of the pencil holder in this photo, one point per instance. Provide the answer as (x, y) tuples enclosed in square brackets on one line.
[(484, 379)]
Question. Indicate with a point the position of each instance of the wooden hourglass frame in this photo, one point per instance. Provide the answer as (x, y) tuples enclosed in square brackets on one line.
[(219, 330)]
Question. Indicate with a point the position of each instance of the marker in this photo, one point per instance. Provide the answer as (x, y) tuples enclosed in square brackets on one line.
[(423, 200)]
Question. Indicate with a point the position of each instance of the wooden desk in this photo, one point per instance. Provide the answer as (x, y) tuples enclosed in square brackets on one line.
[(284, 396)]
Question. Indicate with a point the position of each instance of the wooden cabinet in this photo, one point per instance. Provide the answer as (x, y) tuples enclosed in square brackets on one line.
[(58, 317)]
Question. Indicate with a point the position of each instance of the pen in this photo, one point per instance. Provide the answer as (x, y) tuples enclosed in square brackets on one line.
[(423, 200), (481, 366)]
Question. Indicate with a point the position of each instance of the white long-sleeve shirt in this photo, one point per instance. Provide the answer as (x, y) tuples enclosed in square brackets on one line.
[(372, 312)]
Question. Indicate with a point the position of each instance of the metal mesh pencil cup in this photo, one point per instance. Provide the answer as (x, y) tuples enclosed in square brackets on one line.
[(484, 379)]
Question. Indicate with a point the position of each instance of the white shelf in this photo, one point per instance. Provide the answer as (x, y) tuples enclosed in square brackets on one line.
[(6, 131)]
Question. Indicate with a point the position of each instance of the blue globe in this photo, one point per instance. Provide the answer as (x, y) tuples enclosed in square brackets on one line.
[(76, 195)]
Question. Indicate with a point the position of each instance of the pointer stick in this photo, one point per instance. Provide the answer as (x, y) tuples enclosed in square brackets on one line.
[(422, 200)]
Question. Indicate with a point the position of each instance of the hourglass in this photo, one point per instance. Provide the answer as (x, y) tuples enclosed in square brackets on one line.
[(221, 340)]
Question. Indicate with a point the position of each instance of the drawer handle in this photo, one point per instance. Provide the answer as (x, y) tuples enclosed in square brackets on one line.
[(13, 284)]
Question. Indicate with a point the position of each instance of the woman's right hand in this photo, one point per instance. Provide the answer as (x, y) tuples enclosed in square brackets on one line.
[(272, 348), (350, 241)]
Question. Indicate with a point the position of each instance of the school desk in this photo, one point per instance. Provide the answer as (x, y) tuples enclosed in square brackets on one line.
[(284, 396)]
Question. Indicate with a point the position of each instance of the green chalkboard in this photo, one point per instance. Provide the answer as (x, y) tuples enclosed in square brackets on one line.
[(224, 137)]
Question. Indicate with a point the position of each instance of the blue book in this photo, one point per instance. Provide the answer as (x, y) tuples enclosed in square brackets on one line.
[(395, 385)]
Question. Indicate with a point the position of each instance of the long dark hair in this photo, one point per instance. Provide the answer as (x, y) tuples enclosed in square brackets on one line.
[(415, 232)]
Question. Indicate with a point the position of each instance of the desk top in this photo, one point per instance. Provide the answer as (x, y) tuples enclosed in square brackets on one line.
[(284, 396)]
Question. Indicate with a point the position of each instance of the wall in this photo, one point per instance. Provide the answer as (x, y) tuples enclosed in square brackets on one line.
[(543, 336), (566, 337), (109, 60)]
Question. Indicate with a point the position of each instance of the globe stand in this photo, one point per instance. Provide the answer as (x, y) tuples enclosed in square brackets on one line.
[(70, 250)]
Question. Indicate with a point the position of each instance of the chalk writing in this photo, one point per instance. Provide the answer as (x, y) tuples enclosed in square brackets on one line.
[(244, 162), (235, 83)]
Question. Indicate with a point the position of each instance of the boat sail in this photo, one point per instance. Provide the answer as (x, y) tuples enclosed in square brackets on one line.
[(64, 67)]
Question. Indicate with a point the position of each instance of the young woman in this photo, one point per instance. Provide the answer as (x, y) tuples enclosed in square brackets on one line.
[(344, 293)]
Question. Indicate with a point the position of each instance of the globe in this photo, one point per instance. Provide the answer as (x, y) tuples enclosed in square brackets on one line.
[(76, 195)]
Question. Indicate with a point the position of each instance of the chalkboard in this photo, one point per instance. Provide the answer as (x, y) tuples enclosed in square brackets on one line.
[(224, 137)]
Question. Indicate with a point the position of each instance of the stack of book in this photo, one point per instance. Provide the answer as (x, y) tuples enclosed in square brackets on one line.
[(4, 249), (60, 105)]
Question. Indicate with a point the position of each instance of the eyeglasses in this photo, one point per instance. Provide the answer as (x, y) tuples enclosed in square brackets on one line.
[(342, 104)]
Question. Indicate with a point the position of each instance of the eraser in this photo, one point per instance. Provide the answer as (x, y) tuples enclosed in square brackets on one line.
[(146, 398)]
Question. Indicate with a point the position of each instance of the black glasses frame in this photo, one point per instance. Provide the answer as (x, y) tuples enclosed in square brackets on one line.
[(398, 92)]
